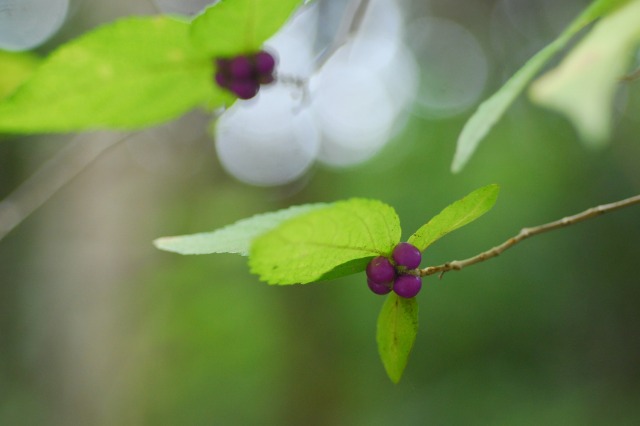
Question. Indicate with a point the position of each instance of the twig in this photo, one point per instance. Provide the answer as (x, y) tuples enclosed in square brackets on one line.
[(633, 75), (349, 26), (57, 172), (525, 233)]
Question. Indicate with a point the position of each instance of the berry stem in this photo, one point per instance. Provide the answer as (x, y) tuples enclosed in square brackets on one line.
[(525, 233)]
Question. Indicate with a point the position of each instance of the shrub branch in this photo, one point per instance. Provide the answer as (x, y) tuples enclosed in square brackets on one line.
[(525, 233)]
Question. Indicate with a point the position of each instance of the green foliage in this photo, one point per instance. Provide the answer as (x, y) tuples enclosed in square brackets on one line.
[(234, 26), (140, 71), (235, 238), (127, 74), (16, 68), (597, 63), (396, 333), (455, 216), (317, 242), (304, 249), (491, 110)]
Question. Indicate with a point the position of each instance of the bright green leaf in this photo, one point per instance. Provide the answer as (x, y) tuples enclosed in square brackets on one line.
[(128, 74), (230, 27), (323, 243), (397, 329), (491, 110), (456, 215), (235, 238), (584, 85), (16, 68)]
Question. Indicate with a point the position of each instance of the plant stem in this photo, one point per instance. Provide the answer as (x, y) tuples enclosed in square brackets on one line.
[(354, 15), (632, 76), (525, 233), (57, 172)]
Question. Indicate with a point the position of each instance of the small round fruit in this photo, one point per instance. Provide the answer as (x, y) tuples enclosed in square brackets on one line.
[(244, 89), (380, 270), (265, 63), (241, 68), (378, 288), (407, 286), (222, 64), (407, 255), (222, 80)]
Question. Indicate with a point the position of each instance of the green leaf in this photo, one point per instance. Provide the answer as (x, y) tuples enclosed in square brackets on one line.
[(455, 216), (16, 68), (230, 27), (316, 245), (235, 238), (584, 85), (491, 110), (128, 74), (397, 330)]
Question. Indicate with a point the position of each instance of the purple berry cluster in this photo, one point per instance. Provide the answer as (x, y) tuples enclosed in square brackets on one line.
[(384, 275), (244, 74)]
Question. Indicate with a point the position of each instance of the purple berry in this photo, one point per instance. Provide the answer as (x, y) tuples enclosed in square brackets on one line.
[(222, 64), (244, 89), (407, 286), (221, 79), (378, 288), (407, 255), (241, 68), (380, 270), (265, 63)]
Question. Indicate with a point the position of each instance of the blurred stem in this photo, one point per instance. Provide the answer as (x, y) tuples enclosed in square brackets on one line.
[(634, 75), (525, 233), (53, 175), (349, 25)]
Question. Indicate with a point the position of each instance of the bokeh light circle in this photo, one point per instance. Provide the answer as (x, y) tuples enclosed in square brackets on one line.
[(268, 140), (182, 7), (25, 24), (453, 66)]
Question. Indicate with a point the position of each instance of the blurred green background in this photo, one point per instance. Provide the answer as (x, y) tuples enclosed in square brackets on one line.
[(97, 327)]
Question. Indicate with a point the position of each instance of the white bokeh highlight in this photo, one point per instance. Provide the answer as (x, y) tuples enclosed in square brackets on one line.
[(26, 24), (453, 67), (268, 140), (182, 7), (354, 111), (339, 112)]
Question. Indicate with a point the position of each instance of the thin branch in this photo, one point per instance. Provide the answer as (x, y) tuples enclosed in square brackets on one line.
[(634, 75), (349, 26), (525, 233), (56, 173)]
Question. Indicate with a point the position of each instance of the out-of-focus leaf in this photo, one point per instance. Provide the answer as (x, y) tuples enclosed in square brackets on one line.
[(15, 68), (583, 86), (456, 215), (235, 238), (128, 74), (491, 110), (397, 330), (314, 245), (230, 27)]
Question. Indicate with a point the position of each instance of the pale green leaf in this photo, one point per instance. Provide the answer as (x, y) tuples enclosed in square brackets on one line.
[(128, 74), (230, 27), (397, 330), (235, 238), (456, 215), (325, 243), (16, 67), (491, 110), (583, 86)]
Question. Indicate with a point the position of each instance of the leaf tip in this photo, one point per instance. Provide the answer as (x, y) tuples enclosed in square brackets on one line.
[(161, 243)]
